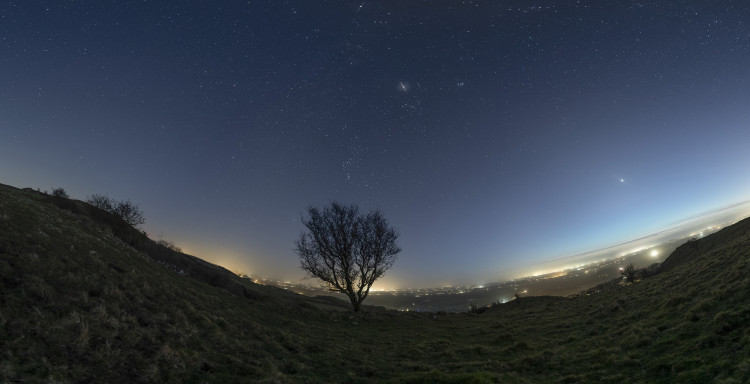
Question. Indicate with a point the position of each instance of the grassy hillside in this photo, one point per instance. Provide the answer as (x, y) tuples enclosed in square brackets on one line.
[(84, 299)]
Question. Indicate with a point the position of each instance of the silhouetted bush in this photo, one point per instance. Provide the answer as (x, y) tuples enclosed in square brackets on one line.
[(60, 193), (126, 210), (103, 202), (629, 273), (129, 212), (170, 245)]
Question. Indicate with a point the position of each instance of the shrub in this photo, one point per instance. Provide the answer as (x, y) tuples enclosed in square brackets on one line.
[(169, 244), (130, 213), (102, 202), (60, 193), (629, 273), (126, 210)]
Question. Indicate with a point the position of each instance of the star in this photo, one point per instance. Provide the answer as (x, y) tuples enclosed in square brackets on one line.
[(403, 87)]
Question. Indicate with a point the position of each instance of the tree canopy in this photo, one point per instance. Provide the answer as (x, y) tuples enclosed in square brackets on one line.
[(346, 250)]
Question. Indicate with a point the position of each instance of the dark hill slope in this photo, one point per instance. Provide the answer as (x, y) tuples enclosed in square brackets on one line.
[(78, 304), (697, 248), (189, 265)]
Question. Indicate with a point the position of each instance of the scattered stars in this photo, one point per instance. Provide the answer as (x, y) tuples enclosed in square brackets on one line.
[(353, 157), (489, 103)]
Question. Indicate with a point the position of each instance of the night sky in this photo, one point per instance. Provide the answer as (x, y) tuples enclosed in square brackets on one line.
[(492, 134)]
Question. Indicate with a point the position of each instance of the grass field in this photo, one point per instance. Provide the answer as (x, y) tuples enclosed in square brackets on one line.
[(86, 300)]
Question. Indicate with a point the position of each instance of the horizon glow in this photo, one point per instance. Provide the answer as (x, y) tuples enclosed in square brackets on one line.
[(496, 140)]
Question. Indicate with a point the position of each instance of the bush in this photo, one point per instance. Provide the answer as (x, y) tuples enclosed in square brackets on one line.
[(126, 210), (60, 193), (629, 273), (129, 212), (102, 202), (169, 244)]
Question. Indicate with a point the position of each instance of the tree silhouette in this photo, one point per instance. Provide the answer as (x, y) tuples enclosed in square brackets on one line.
[(102, 202), (126, 210), (629, 273), (129, 212), (346, 250), (60, 193)]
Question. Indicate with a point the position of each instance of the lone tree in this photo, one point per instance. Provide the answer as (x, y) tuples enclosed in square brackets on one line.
[(346, 250)]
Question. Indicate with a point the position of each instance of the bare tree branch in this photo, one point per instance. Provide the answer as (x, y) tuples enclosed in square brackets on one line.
[(126, 210), (129, 212)]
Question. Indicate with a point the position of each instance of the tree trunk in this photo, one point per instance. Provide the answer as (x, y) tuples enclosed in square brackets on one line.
[(355, 304)]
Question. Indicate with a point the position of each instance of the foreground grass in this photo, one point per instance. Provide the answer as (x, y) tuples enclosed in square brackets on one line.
[(80, 305)]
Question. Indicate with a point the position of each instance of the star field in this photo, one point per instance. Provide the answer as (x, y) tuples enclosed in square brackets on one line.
[(492, 135)]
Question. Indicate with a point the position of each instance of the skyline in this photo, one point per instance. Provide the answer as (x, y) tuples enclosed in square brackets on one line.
[(656, 243), (689, 227), (494, 136)]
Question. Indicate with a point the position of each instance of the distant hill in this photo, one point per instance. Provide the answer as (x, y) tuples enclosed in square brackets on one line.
[(86, 298)]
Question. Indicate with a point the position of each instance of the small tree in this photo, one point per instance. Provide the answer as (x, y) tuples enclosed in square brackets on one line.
[(129, 212), (629, 273), (345, 250), (60, 193)]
